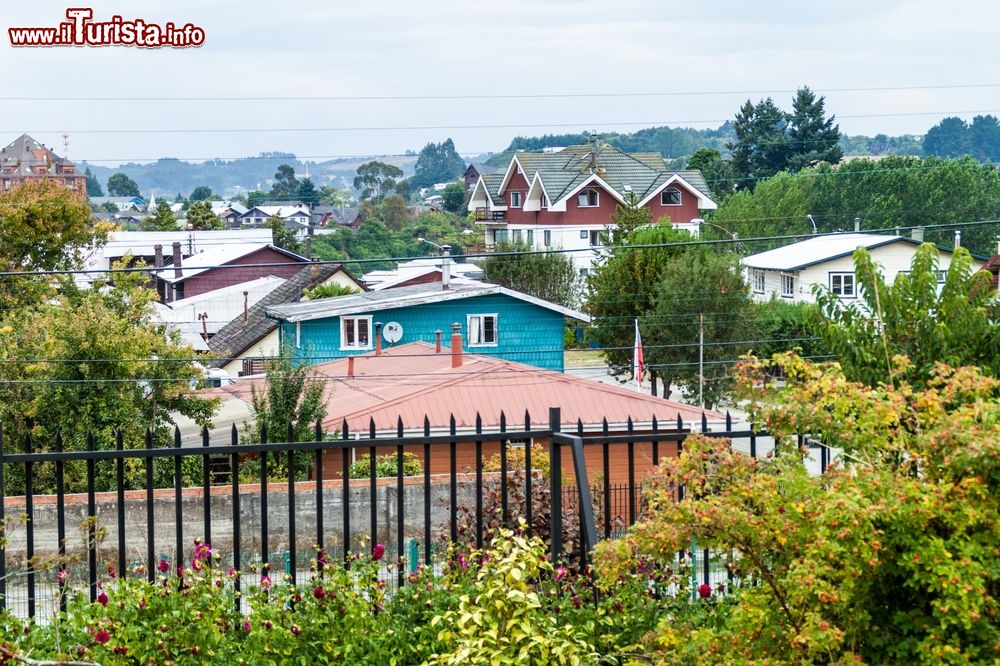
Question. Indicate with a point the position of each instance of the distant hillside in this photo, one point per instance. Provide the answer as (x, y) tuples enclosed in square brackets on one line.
[(678, 143), (168, 176)]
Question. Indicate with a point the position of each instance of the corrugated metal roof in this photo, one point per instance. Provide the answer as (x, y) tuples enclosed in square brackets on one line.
[(411, 382), (402, 297), (817, 250)]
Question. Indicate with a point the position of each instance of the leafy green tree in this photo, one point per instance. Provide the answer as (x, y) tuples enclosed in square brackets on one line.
[(256, 198), (700, 290), (949, 138), (960, 326), (761, 148), (331, 196), (550, 277), (285, 185), (437, 163), (43, 227), (110, 207), (120, 185), (984, 138), (812, 137), (376, 179), (453, 197), (889, 557), (783, 326), (283, 236), (718, 172), (624, 286), (109, 333), (93, 185), (162, 220), (394, 212), (201, 217), (307, 192), (201, 193)]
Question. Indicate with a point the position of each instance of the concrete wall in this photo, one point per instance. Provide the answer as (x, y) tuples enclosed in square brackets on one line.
[(192, 507)]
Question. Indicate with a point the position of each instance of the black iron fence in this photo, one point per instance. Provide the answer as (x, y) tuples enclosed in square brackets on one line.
[(253, 520)]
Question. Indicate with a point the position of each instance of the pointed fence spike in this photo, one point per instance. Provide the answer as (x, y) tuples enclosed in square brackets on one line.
[(290, 433), (527, 420), (729, 420), (427, 426), (680, 422), (451, 424), (704, 422), (177, 436), (371, 427), (59, 442), (503, 421), (91, 444), (318, 431), (399, 426), (479, 421), (654, 422), (579, 425), (346, 433), (628, 424)]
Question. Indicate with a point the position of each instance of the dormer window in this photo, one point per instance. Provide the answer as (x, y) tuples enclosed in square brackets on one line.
[(515, 199), (588, 198), (670, 197)]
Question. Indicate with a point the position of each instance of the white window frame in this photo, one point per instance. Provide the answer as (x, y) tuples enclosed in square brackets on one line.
[(343, 332), (516, 236), (837, 284), (671, 189), (515, 199), (480, 327), (531, 237), (787, 280), (758, 279), (584, 234), (584, 196), (547, 237)]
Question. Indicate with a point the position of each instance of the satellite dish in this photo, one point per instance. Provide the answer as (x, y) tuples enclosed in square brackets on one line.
[(392, 332)]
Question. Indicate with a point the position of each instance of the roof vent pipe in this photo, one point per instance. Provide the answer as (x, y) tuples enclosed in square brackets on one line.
[(917, 234), (158, 256), (456, 345), (958, 238), (350, 367), (445, 266), (857, 224), (378, 339), (437, 341)]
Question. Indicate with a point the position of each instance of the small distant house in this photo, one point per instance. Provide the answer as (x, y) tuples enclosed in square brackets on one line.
[(245, 343), (223, 266), (420, 271), (475, 170), (134, 204), (494, 321), (296, 216), (790, 272)]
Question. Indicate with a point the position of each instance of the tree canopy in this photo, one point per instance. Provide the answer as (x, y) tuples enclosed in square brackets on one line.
[(285, 186), (93, 185), (437, 163), (120, 185), (909, 318), (376, 179), (953, 137), (201, 193), (550, 277), (201, 217), (163, 219)]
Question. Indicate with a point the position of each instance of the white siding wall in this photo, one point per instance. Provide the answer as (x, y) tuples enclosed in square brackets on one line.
[(894, 258)]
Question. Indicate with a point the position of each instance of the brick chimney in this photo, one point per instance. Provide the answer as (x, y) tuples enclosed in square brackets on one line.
[(178, 272), (158, 256), (350, 367), (437, 341), (456, 345), (378, 339)]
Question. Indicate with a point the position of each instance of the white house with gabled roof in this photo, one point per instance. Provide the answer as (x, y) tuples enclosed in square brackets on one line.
[(790, 272)]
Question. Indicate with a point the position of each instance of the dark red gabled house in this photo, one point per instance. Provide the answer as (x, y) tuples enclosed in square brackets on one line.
[(223, 266)]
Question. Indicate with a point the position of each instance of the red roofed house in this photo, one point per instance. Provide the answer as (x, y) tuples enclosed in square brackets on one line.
[(565, 199), (417, 380)]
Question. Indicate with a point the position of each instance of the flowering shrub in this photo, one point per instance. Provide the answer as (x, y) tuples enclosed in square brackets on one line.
[(345, 615)]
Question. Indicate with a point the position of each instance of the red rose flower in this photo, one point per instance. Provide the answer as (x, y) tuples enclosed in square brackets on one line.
[(319, 592), (102, 598), (102, 636), (704, 590), (378, 552)]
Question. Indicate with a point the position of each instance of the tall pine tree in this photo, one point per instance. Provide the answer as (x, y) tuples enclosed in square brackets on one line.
[(812, 137), (761, 148)]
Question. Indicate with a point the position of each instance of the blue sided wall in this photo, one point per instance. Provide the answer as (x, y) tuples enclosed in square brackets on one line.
[(527, 333)]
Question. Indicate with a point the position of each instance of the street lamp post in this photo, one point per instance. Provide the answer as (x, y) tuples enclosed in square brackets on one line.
[(445, 261)]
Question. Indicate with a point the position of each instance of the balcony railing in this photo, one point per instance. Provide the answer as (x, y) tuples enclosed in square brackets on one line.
[(486, 215)]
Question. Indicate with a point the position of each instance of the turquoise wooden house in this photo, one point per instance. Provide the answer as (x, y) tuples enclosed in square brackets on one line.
[(494, 321)]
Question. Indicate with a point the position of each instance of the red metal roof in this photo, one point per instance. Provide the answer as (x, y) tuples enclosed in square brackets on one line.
[(412, 381)]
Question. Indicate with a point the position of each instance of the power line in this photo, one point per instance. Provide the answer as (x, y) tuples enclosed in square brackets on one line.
[(399, 128), (575, 95)]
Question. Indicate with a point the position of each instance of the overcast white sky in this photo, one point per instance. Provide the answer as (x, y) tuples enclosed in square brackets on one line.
[(309, 48)]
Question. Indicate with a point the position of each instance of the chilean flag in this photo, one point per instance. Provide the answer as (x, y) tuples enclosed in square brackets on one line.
[(637, 362)]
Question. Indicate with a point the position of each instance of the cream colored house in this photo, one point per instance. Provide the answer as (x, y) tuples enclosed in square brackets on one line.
[(791, 272)]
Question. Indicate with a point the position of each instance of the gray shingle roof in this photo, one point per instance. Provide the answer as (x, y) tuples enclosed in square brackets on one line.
[(238, 336)]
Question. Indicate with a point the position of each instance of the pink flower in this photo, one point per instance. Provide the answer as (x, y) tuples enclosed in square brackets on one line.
[(319, 592), (378, 552), (577, 602), (233, 573), (246, 626), (295, 630), (202, 551), (62, 576), (102, 636), (102, 598), (265, 582), (704, 590), (560, 573), (111, 571), (163, 567)]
